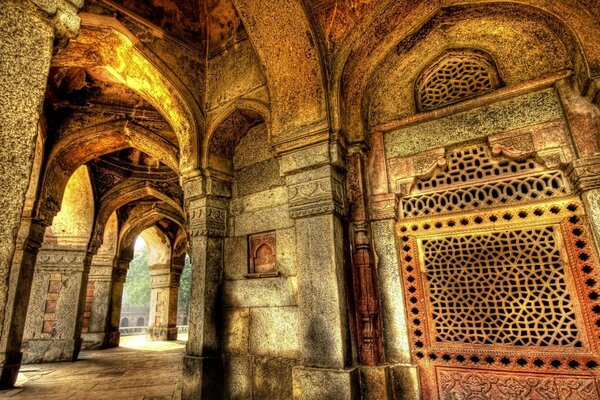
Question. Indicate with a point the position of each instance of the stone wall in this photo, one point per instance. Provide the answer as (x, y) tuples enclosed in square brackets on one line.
[(260, 335)]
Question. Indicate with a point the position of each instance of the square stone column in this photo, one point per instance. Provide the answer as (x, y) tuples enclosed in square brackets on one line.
[(55, 315), (202, 375), (119, 275), (316, 201), (95, 331), (27, 32), (162, 322)]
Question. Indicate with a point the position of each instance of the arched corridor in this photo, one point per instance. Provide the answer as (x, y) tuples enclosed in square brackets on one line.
[(338, 199)]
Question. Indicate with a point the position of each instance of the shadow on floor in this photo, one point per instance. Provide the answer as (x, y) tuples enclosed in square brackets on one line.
[(136, 370)]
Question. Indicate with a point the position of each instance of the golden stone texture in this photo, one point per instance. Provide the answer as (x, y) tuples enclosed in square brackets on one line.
[(357, 184)]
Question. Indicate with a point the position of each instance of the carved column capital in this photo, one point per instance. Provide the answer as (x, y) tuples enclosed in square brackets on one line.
[(584, 173), (192, 184), (314, 192), (101, 272), (63, 260), (62, 15), (207, 216)]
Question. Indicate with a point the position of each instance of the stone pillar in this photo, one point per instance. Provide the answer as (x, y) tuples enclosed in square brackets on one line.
[(95, 331), (162, 322), (402, 377), (316, 202), (55, 314), (119, 275), (27, 31), (202, 375)]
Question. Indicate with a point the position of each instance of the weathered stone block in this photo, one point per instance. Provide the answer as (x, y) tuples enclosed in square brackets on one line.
[(286, 251), (374, 383), (529, 109), (325, 384), (405, 382), (262, 292), (238, 377), (273, 378), (236, 331), (274, 331), (262, 220), (260, 200), (258, 177), (236, 257)]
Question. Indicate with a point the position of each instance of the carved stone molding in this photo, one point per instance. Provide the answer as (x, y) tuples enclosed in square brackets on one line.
[(207, 216), (315, 195), (101, 273), (513, 146), (192, 185), (384, 206), (64, 261), (585, 173), (455, 384), (404, 170)]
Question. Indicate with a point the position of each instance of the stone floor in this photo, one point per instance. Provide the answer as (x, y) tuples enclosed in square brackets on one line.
[(136, 370)]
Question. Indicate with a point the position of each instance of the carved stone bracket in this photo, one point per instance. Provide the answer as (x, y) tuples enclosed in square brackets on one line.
[(585, 173), (404, 170), (516, 146), (315, 192), (548, 143), (161, 276), (101, 272)]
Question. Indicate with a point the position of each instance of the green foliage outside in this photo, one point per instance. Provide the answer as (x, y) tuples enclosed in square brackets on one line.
[(136, 292), (183, 305)]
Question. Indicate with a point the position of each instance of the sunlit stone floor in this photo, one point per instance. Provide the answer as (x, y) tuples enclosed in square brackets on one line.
[(136, 370)]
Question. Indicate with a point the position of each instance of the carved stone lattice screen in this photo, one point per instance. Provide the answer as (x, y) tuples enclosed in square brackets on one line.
[(502, 298), (455, 76)]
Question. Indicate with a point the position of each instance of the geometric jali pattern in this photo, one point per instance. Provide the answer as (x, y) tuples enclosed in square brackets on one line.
[(529, 188), (500, 288), (473, 164), (455, 77)]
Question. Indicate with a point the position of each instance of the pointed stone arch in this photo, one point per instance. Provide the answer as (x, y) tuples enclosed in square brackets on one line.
[(376, 36), (283, 38), (83, 146)]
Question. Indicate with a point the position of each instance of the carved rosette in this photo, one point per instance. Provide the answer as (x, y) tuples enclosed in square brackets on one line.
[(585, 173), (319, 195)]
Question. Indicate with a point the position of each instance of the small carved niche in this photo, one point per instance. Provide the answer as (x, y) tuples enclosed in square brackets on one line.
[(262, 255)]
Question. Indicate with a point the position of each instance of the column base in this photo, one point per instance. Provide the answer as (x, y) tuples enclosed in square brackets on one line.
[(99, 340), (50, 350), (155, 333), (11, 363), (325, 384), (389, 382), (111, 339), (404, 382), (202, 378)]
